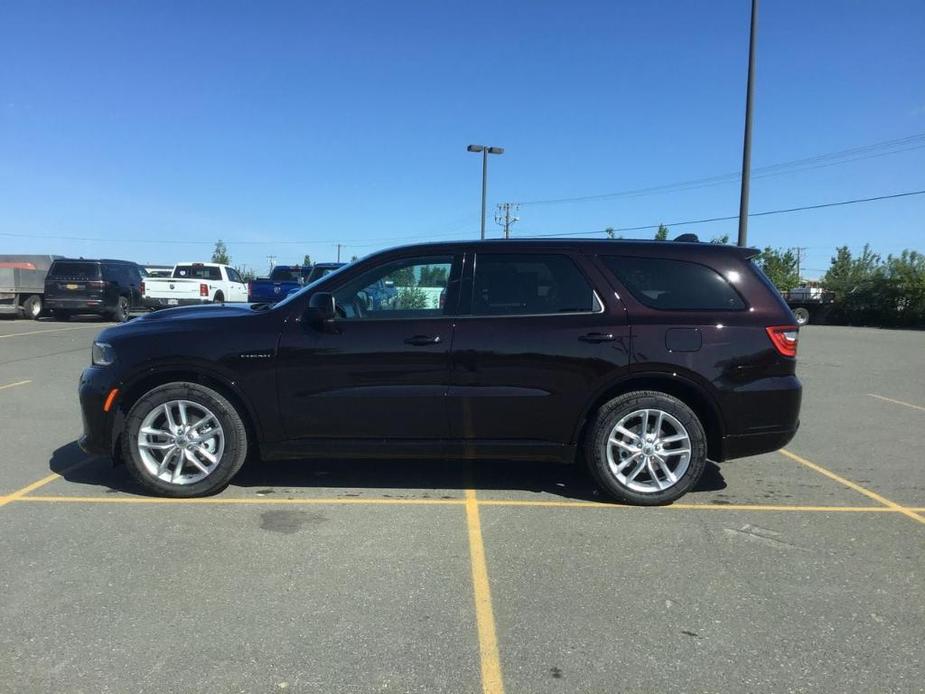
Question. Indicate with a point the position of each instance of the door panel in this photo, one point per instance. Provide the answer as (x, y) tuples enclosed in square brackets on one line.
[(381, 368), (362, 379), (529, 377), (527, 371)]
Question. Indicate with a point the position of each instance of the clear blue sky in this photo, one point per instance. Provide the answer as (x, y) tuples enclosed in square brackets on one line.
[(156, 123)]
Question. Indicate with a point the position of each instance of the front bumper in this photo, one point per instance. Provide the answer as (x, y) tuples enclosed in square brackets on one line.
[(95, 385)]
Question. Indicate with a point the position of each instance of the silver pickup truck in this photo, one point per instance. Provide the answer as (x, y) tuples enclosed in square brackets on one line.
[(22, 284)]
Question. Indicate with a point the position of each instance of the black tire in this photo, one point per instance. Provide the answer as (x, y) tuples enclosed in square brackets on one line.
[(607, 417), (229, 463), (802, 315), (32, 307), (120, 312), (62, 315), (219, 298)]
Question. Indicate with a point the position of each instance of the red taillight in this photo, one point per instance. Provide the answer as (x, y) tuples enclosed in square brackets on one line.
[(203, 290), (784, 338), (250, 288), (142, 286)]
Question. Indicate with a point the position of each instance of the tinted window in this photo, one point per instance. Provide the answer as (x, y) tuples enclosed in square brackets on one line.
[(286, 274), (198, 272), (74, 270), (233, 275), (674, 284), (407, 288), (529, 284)]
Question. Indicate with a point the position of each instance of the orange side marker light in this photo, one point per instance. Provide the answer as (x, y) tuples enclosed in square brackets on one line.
[(110, 399)]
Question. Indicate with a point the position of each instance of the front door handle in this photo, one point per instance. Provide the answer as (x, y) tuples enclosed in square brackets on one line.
[(597, 337), (422, 340)]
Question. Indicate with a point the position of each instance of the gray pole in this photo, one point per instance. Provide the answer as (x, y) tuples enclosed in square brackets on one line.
[(747, 144), (484, 186)]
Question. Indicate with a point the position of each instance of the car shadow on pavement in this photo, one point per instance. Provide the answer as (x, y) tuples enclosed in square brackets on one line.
[(401, 478)]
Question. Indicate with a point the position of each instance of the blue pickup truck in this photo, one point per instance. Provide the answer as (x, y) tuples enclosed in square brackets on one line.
[(285, 278)]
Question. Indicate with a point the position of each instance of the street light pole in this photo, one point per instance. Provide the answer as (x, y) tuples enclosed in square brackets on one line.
[(485, 150), (747, 143)]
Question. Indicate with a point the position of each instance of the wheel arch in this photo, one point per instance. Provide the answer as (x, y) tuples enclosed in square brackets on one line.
[(686, 390), (134, 390)]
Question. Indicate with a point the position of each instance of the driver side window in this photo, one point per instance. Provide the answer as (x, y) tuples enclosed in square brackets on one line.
[(405, 288)]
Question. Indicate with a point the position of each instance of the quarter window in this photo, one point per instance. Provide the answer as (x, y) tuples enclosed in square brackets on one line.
[(406, 288), (530, 284), (674, 284)]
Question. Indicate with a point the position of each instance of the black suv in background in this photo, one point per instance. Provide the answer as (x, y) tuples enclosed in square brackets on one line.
[(109, 288), (643, 359)]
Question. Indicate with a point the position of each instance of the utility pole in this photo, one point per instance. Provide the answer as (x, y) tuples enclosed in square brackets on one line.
[(503, 216), (272, 261), (338, 252), (747, 142), (799, 251)]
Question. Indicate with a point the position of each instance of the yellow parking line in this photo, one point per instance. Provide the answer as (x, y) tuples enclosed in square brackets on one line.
[(98, 326), (484, 614), (13, 385), (853, 485), (691, 507), (213, 501), (21, 493), (897, 402)]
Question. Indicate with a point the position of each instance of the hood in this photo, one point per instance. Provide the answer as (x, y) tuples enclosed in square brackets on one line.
[(205, 311)]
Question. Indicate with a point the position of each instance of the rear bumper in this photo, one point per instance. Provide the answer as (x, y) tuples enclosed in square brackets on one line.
[(87, 305), (754, 444), (156, 303)]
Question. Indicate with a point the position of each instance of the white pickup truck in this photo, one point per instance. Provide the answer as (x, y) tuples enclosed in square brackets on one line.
[(195, 283)]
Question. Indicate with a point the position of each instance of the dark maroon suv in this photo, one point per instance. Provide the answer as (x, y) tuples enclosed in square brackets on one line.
[(643, 359)]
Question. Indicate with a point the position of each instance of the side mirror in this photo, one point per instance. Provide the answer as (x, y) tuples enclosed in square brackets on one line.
[(320, 309)]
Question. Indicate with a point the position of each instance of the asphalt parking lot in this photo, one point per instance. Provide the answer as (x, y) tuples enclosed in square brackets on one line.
[(796, 571)]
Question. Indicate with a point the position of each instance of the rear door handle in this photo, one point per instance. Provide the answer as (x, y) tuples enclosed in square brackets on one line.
[(422, 340), (597, 337)]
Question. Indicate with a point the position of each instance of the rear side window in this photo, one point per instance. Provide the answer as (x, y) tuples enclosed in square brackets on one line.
[(529, 284), (70, 270), (674, 285), (198, 272)]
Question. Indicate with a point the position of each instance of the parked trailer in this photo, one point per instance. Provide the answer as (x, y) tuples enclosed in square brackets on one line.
[(809, 304), (22, 284)]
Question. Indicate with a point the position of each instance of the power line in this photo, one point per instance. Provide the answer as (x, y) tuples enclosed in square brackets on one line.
[(381, 242), (845, 156), (735, 216)]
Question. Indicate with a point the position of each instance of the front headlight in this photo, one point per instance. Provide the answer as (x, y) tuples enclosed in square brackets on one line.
[(102, 354)]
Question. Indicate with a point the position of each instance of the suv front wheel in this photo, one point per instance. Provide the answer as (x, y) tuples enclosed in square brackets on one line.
[(646, 448), (184, 440)]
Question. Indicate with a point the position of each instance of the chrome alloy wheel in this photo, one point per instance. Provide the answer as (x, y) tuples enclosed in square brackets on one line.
[(181, 442), (648, 451)]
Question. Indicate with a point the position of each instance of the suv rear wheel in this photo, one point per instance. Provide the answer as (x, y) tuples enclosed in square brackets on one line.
[(646, 448), (184, 440)]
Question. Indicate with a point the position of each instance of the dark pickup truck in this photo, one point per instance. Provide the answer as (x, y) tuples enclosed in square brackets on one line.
[(284, 278)]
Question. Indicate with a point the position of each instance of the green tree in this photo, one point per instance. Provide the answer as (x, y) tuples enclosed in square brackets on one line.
[(410, 298), (780, 266), (307, 260), (662, 233), (432, 276), (353, 259), (403, 277), (611, 233), (720, 240), (245, 272), (220, 254)]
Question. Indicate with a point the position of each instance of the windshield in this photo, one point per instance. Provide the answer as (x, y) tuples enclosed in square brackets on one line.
[(75, 270), (331, 272)]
